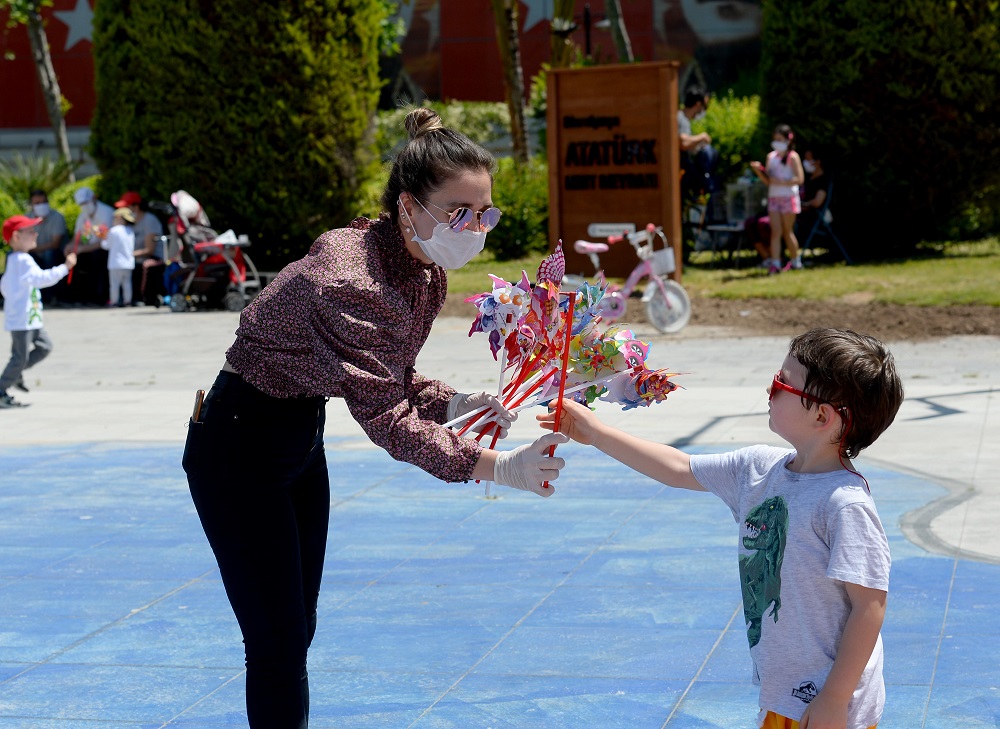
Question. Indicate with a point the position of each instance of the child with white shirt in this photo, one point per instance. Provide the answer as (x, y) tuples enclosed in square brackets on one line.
[(813, 557), (120, 245), (22, 303)]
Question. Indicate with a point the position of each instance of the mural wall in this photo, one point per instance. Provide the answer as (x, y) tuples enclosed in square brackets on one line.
[(449, 50)]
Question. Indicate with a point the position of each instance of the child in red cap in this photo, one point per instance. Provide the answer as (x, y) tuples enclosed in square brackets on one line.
[(22, 303)]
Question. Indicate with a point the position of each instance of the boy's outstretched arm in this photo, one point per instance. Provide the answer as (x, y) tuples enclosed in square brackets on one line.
[(829, 709), (656, 460)]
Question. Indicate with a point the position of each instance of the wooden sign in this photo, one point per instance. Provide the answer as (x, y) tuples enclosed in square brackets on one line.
[(614, 159)]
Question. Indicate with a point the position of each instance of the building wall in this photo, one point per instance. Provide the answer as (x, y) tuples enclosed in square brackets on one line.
[(449, 52)]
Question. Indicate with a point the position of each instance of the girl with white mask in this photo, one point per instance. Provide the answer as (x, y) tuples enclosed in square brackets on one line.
[(783, 173), (345, 321)]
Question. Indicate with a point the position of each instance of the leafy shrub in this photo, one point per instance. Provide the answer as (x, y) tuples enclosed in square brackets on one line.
[(262, 111), (733, 124), (903, 96), (370, 194), (19, 175), (9, 207), (522, 193), (486, 123)]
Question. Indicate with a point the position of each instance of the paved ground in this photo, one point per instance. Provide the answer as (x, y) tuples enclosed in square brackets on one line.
[(613, 604)]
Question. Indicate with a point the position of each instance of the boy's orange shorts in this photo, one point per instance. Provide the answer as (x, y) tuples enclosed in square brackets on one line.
[(777, 721)]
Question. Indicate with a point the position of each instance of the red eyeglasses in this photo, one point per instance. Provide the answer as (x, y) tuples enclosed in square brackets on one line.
[(777, 384)]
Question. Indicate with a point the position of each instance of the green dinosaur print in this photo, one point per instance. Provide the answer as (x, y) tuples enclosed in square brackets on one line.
[(35, 312), (760, 572)]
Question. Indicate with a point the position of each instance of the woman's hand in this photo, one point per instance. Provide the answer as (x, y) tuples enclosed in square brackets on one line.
[(756, 166), (529, 467), (578, 422), (461, 404)]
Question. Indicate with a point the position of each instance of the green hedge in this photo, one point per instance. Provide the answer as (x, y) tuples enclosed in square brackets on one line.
[(522, 193), (487, 123), (733, 124), (9, 207), (904, 95), (262, 111)]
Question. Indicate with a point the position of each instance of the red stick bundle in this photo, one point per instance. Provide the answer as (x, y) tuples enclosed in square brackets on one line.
[(565, 367)]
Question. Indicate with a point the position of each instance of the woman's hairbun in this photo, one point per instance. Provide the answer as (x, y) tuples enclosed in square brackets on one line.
[(422, 120)]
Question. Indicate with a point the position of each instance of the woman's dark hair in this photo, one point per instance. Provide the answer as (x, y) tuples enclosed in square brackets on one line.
[(854, 372), (786, 131), (433, 154)]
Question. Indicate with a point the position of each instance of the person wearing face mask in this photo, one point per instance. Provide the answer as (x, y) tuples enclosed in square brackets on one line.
[(90, 279), (782, 173), (52, 236), (814, 191), (699, 159), (813, 194), (348, 321), (147, 277)]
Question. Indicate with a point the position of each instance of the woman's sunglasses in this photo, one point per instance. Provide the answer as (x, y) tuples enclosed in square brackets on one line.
[(461, 218)]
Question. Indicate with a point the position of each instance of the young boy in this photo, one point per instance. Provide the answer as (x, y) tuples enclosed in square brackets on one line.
[(22, 303), (813, 558)]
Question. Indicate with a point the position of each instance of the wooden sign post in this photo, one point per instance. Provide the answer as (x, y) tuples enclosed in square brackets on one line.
[(614, 159)]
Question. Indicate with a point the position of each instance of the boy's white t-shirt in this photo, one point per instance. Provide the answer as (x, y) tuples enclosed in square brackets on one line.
[(20, 284), (120, 245), (802, 536)]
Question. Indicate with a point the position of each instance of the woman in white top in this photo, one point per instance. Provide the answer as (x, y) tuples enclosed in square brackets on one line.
[(783, 174)]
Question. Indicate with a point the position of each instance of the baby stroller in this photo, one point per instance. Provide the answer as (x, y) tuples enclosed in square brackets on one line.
[(205, 270)]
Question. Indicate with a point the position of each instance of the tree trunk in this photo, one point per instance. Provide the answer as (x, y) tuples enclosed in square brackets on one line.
[(561, 46), (50, 85), (613, 8), (505, 13)]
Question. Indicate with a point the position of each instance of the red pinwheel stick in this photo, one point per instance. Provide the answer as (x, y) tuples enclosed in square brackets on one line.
[(69, 278), (565, 368), (472, 421), (513, 404)]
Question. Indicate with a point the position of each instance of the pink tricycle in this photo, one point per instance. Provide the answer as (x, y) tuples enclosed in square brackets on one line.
[(668, 307)]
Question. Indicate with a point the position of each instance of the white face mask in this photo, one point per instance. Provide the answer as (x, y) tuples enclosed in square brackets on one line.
[(446, 247), (779, 146), (809, 166), (41, 210), (88, 209), (699, 116)]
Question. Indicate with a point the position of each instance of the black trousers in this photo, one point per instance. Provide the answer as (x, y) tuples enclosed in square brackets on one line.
[(258, 476)]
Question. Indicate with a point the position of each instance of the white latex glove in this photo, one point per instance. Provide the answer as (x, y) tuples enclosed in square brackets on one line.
[(461, 404), (529, 467)]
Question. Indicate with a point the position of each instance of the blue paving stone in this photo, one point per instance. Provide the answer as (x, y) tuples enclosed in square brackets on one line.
[(607, 605), (553, 702)]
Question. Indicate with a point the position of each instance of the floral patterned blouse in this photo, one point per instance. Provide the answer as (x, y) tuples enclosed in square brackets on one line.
[(348, 320)]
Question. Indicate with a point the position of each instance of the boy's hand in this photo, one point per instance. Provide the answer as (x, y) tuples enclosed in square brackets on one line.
[(825, 712), (70, 260), (578, 422)]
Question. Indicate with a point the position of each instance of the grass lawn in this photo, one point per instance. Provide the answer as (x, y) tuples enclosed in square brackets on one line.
[(939, 275)]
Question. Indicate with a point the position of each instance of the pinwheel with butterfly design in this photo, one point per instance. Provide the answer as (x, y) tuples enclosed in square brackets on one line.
[(550, 345)]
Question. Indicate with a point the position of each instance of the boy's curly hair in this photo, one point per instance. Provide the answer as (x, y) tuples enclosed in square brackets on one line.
[(852, 371)]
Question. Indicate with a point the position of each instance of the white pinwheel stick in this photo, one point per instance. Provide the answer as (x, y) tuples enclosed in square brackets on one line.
[(473, 413)]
